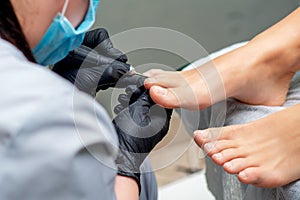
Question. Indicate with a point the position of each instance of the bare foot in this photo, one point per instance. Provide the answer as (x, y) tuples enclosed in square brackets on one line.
[(265, 153), (254, 79)]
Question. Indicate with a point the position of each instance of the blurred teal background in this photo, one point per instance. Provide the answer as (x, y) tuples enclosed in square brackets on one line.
[(213, 23)]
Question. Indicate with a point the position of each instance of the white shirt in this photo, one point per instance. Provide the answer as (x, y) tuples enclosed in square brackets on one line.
[(45, 125)]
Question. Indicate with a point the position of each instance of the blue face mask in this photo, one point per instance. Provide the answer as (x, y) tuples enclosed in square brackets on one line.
[(61, 37)]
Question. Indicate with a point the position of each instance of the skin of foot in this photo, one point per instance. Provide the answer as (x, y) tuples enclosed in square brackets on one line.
[(182, 89), (258, 73), (264, 153), (257, 82)]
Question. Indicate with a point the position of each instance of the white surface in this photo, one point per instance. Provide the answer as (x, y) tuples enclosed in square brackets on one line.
[(193, 187)]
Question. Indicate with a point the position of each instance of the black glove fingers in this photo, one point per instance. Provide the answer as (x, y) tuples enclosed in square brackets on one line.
[(119, 108), (99, 40), (129, 98), (128, 80), (112, 73), (123, 69), (146, 99), (124, 100), (130, 89), (159, 117), (133, 93), (95, 37), (117, 55), (140, 109), (136, 94), (123, 58), (91, 70), (85, 80)]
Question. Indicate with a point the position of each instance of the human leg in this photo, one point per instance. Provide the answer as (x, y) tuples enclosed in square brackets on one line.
[(258, 73), (226, 186)]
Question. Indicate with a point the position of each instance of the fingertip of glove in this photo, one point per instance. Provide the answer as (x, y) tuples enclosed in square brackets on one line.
[(119, 108), (123, 99), (123, 58)]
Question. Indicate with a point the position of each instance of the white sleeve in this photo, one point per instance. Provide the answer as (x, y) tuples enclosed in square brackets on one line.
[(45, 128)]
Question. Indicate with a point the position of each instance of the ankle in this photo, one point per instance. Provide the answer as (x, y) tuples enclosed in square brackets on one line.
[(280, 58), (231, 69)]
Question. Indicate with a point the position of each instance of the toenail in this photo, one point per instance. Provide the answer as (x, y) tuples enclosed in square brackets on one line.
[(218, 157), (202, 134), (243, 175), (159, 90), (228, 165), (209, 147)]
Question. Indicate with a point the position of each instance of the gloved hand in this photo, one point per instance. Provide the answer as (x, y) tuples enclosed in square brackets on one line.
[(140, 127), (95, 65), (134, 85)]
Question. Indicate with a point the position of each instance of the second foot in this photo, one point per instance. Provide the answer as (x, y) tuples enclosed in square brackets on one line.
[(264, 153)]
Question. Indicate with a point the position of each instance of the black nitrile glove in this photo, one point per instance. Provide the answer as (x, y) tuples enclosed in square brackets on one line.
[(95, 65), (134, 85), (140, 127)]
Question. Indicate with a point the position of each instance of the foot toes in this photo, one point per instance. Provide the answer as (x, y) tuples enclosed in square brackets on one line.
[(216, 147), (236, 165), (260, 177), (250, 175), (226, 155), (164, 97), (212, 135)]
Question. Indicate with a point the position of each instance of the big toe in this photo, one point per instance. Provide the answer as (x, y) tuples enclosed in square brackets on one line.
[(164, 97), (259, 177), (262, 178), (249, 175)]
